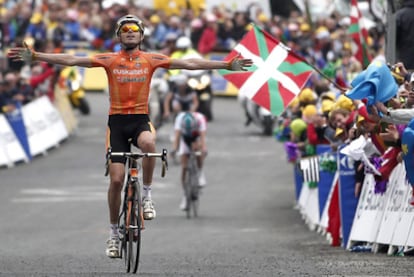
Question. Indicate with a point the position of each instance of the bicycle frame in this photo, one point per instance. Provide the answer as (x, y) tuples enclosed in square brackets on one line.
[(131, 218)]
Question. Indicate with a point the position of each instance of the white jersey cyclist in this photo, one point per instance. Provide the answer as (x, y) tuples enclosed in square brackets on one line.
[(190, 133)]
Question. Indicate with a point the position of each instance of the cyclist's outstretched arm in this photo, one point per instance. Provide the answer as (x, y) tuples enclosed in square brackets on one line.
[(27, 54), (236, 64)]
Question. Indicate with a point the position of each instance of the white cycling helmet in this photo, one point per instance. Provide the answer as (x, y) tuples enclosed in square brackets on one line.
[(183, 43), (129, 18)]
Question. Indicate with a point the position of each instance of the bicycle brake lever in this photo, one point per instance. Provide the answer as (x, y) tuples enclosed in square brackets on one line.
[(164, 157)]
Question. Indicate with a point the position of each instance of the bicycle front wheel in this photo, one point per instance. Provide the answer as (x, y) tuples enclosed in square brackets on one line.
[(187, 191), (194, 194), (133, 244), (191, 192)]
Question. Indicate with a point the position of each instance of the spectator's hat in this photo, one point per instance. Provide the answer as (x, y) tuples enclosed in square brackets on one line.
[(327, 105), (36, 18), (196, 23), (155, 19), (72, 14), (309, 111), (344, 103), (328, 95), (294, 102), (322, 33), (293, 27), (262, 18), (305, 27), (307, 95), (298, 126), (338, 132), (211, 17)]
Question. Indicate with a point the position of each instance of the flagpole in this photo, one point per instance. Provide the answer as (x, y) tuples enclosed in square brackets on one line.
[(342, 89)]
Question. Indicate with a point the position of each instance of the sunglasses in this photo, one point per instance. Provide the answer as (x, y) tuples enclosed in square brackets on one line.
[(130, 27)]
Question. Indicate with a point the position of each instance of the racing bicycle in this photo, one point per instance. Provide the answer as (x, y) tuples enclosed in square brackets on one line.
[(131, 219), (191, 185)]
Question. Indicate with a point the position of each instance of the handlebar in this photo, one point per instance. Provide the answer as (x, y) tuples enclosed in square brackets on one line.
[(136, 156)]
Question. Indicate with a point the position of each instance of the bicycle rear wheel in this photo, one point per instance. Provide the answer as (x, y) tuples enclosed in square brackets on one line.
[(133, 236)]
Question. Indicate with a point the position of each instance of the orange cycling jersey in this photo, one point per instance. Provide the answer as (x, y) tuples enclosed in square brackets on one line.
[(129, 77)]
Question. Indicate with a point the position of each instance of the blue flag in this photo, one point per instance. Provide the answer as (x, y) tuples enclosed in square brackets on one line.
[(376, 84)]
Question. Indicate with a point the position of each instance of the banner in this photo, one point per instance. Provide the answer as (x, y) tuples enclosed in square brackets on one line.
[(394, 205), (11, 151), (298, 180), (406, 217), (325, 179), (369, 212), (347, 200), (16, 121), (45, 128)]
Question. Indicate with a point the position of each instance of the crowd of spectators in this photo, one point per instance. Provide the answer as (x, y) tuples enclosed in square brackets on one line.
[(56, 26)]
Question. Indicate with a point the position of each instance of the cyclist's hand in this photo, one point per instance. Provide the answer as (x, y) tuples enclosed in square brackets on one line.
[(237, 64), (25, 53)]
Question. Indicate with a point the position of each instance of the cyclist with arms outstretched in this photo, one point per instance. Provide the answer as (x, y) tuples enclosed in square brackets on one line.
[(129, 73)]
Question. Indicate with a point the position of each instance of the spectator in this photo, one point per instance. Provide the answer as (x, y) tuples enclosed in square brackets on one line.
[(42, 80), (6, 101), (72, 25), (208, 40), (169, 44), (225, 41), (174, 26), (37, 30), (239, 26), (316, 129), (159, 32), (196, 29), (13, 93)]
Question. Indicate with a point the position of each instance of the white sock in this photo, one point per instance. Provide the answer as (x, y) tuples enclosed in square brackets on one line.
[(146, 191), (114, 232)]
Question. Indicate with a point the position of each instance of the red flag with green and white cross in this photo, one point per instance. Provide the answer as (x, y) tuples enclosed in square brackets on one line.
[(276, 76), (359, 35)]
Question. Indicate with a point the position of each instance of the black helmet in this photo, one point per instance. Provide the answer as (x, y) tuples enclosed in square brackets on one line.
[(127, 19)]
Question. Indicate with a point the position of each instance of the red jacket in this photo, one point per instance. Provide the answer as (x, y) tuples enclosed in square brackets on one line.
[(207, 41)]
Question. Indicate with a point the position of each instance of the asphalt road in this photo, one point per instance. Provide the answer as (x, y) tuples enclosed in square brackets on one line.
[(54, 219)]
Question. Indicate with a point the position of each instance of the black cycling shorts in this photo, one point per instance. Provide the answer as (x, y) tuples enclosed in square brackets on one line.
[(190, 139), (123, 130)]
